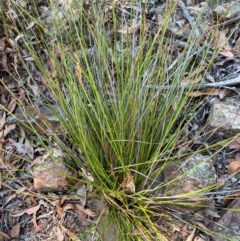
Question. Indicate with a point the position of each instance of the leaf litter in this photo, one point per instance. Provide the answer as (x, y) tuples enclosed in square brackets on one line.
[(22, 205)]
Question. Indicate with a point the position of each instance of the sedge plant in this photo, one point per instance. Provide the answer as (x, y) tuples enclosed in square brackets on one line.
[(120, 98)]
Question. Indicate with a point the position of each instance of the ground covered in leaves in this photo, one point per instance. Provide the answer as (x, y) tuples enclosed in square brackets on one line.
[(36, 204)]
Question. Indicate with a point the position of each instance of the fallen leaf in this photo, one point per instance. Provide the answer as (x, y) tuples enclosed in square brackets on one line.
[(184, 230), (192, 74), (189, 81), (20, 190), (59, 234), (12, 105), (229, 160), (36, 226), (4, 63), (9, 198), (28, 211), (128, 184), (80, 208), (30, 25), (208, 91), (191, 236), (4, 235), (160, 19), (220, 38), (233, 167), (71, 235), (2, 44), (227, 52), (9, 128), (235, 144), (3, 120), (131, 29), (85, 210), (59, 209), (15, 231)]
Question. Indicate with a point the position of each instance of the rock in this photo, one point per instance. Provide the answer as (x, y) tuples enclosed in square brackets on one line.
[(190, 176), (51, 174), (226, 8), (228, 225), (224, 119)]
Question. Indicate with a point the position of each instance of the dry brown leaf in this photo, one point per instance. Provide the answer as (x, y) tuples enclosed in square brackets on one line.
[(20, 190), (4, 63), (9, 198), (202, 225), (227, 51), (184, 230), (28, 211), (220, 38), (59, 234), (2, 44), (9, 128), (233, 167), (36, 226), (71, 235), (85, 210), (79, 207), (196, 72), (12, 105), (207, 91), (59, 209), (4, 235), (131, 29), (3, 120), (229, 160), (30, 25), (235, 144), (15, 231), (189, 81), (191, 236), (128, 184), (160, 19)]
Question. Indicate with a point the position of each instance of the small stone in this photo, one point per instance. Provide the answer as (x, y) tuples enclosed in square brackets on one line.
[(190, 176), (224, 119), (51, 174)]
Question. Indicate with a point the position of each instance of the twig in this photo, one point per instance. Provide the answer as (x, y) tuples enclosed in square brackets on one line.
[(188, 17), (220, 84), (228, 22), (186, 13)]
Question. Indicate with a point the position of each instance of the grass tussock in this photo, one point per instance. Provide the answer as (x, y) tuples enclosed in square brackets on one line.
[(120, 100)]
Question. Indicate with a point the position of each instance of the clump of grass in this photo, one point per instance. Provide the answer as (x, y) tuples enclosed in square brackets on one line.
[(123, 107)]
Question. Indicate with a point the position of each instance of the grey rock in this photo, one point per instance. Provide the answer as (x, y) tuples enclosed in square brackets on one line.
[(224, 119), (228, 225)]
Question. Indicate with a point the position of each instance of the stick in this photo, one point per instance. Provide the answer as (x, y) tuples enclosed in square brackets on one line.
[(220, 84)]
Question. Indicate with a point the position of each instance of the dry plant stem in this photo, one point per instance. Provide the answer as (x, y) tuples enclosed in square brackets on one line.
[(186, 13), (228, 22), (220, 84)]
